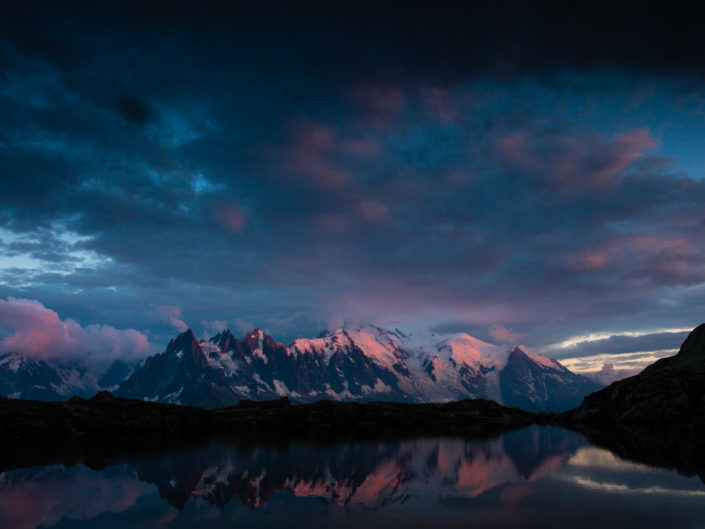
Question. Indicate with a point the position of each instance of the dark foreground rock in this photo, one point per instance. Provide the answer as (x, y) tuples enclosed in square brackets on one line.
[(105, 413), (670, 391)]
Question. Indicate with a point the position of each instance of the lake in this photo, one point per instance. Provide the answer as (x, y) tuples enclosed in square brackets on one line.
[(535, 477)]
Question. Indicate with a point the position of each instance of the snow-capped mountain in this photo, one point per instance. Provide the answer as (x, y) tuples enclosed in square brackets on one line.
[(24, 377), (366, 363)]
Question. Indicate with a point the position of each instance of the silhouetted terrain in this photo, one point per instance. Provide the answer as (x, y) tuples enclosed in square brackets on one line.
[(672, 390), (105, 413)]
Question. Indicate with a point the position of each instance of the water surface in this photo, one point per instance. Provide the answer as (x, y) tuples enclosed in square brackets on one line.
[(536, 477)]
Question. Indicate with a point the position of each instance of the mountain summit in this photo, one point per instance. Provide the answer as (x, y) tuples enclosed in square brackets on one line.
[(365, 363)]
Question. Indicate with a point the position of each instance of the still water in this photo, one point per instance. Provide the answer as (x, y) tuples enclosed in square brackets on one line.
[(536, 477)]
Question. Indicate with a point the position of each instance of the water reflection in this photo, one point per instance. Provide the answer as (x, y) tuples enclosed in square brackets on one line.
[(545, 476)]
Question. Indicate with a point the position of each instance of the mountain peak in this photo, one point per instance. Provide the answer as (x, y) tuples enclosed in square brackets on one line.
[(542, 361), (256, 333), (223, 339), (694, 344), (187, 334)]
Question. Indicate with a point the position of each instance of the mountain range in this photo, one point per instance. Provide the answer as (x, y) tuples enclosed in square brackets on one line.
[(25, 377), (362, 364)]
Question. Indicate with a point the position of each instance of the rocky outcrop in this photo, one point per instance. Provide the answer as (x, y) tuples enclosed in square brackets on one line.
[(672, 390)]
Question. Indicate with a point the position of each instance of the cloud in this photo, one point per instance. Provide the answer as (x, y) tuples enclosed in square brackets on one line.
[(427, 188), (609, 374), (606, 368), (502, 334), (39, 332), (619, 343), (230, 218), (212, 327), (572, 163), (171, 314)]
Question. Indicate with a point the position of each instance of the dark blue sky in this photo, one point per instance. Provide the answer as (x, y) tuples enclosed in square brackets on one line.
[(521, 173)]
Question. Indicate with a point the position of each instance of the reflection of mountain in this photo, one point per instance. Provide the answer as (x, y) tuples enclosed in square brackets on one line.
[(368, 475), (534, 449), (533, 478), (674, 447)]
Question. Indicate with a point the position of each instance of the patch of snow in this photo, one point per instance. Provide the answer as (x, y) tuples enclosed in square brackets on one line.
[(540, 360), (376, 345), (345, 394), (11, 363), (381, 387), (174, 396), (280, 388), (219, 359), (261, 382), (259, 350)]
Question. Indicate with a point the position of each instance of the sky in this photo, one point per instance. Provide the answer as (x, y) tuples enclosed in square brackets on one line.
[(524, 173)]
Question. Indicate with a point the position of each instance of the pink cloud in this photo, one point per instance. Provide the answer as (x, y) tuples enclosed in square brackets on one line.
[(332, 224), (573, 163), (311, 154), (379, 103), (589, 261), (503, 334), (171, 314), (440, 104), (40, 332), (320, 152), (231, 218), (372, 210), (76, 493), (362, 148), (624, 249)]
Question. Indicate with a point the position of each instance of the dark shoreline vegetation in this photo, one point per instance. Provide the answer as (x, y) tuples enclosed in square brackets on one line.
[(107, 414)]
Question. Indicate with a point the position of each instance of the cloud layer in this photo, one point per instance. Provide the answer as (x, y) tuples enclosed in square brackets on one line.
[(486, 181)]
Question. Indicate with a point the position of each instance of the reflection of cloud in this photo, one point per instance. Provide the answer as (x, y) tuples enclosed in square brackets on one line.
[(626, 489), (599, 458), (43, 497)]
